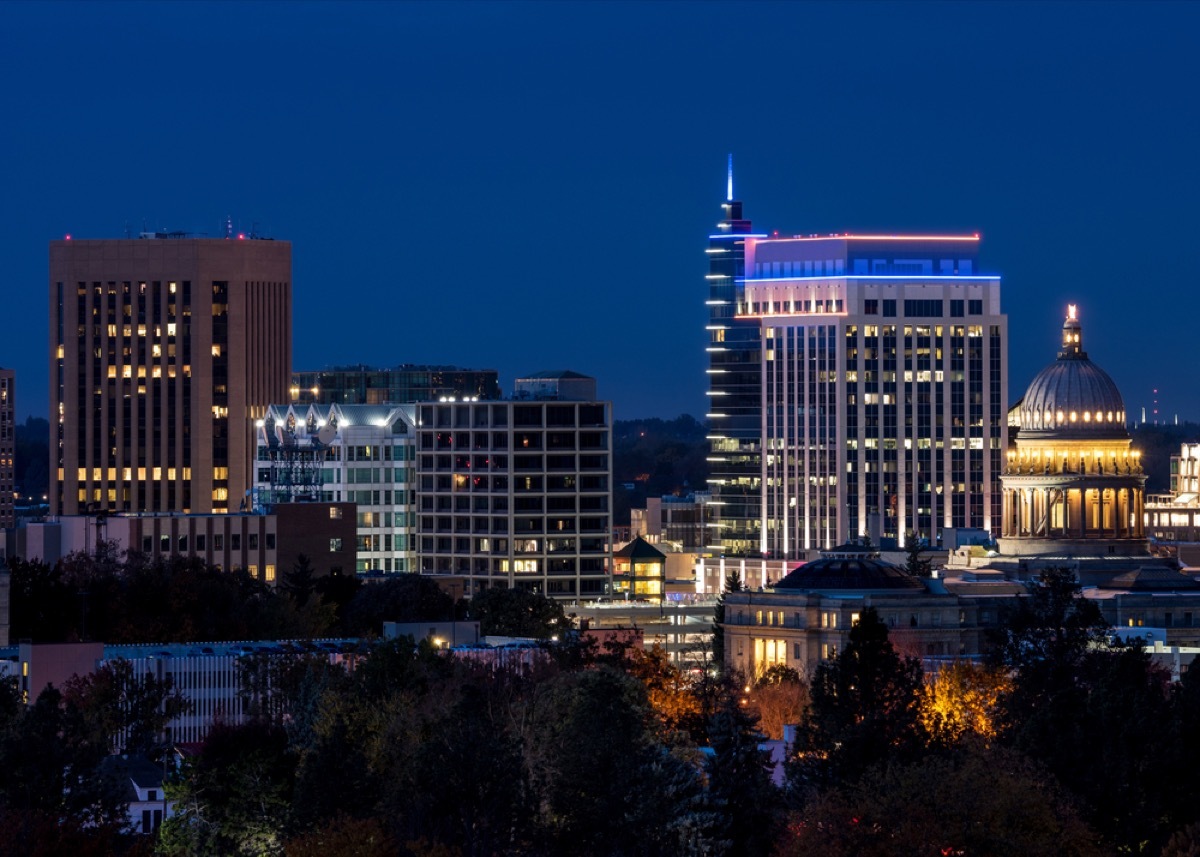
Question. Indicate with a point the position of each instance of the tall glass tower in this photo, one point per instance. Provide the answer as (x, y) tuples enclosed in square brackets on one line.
[(734, 390)]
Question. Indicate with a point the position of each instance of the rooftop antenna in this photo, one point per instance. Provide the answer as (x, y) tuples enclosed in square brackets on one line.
[(729, 181), (228, 226)]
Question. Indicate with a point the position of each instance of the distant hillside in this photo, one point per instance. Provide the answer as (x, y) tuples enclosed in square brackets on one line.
[(655, 457), (31, 463)]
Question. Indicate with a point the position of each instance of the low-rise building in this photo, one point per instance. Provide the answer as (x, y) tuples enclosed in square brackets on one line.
[(142, 791), (806, 617), (265, 544), (208, 675), (1173, 519)]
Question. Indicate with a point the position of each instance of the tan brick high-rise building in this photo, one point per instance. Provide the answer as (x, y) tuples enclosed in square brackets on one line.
[(163, 351)]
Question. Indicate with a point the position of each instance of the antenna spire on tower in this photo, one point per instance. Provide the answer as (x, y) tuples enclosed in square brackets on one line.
[(729, 181)]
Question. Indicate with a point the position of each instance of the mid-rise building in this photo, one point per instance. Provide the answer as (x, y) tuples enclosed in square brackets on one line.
[(517, 493), (368, 385), (8, 447), (164, 350), (362, 454)]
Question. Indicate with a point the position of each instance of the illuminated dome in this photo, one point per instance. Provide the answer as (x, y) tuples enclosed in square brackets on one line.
[(1072, 397)]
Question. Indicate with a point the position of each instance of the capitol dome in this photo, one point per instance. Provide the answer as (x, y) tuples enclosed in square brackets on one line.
[(1072, 397)]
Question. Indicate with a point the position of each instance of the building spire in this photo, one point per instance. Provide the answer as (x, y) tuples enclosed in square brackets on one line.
[(729, 181)]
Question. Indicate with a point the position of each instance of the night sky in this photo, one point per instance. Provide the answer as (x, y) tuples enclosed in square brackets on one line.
[(530, 186)]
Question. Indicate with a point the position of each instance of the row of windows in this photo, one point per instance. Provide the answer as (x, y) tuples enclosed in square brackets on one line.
[(523, 416), (179, 544)]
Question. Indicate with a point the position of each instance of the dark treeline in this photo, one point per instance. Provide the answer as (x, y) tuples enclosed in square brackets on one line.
[(1062, 743), (591, 752), (114, 597)]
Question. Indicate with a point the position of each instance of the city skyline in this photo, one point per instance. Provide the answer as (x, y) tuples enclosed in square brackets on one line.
[(488, 158)]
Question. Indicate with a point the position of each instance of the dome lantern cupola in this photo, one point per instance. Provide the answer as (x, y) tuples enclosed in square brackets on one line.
[(1072, 397), (1072, 335)]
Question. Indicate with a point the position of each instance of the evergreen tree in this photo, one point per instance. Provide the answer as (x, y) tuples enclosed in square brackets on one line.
[(517, 613), (733, 583), (914, 563), (864, 709), (297, 583), (739, 781)]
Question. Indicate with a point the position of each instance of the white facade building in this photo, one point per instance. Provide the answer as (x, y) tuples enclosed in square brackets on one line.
[(884, 387), (361, 454)]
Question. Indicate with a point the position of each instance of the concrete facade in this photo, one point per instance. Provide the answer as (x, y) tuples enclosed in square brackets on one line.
[(517, 494), (163, 351)]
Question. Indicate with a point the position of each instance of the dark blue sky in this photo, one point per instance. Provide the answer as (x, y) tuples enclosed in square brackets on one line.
[(530, 186)]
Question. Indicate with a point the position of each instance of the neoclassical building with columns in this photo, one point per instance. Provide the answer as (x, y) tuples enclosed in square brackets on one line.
[(1072, 484)]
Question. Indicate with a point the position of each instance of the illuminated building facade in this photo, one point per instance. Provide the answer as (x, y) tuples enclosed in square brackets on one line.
[(1174, 519), (884, 365), (164, 350), (366, 385), (806, 616), (367, 458), (1073, 484), (734, 391), (517, 493), (640, 572), (8, 447)]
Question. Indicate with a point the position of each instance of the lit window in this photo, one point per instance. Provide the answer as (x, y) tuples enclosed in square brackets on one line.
[(335, 545)]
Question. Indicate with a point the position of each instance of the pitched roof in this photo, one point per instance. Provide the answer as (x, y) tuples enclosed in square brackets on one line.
[(639, 548)]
